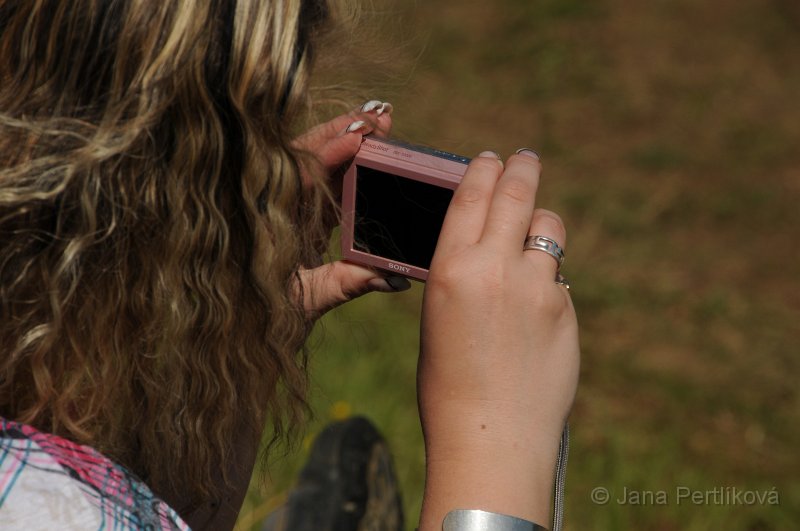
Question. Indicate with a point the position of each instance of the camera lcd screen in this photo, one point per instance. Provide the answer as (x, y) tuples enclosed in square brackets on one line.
[(398, 218)]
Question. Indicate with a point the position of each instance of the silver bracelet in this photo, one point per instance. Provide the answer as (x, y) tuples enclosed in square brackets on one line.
[(476, 520)]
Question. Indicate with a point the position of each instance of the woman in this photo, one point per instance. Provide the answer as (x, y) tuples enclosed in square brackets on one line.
[(158, 225)]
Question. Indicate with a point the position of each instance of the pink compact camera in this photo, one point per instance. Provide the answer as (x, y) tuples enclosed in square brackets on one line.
[(394, 200)]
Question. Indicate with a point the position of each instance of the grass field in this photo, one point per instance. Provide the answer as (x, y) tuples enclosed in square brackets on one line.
[(670, 134)]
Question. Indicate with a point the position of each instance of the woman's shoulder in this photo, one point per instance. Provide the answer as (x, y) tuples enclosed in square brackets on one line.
[(47, 481)]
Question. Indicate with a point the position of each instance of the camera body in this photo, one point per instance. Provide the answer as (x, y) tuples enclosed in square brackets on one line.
[(394, 200)]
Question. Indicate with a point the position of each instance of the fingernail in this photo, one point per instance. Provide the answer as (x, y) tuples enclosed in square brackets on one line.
[(528, 152), (389, 284), (385, 107), (398, 283), (378, 106), (371, 105), (355, 126), (491, 155)]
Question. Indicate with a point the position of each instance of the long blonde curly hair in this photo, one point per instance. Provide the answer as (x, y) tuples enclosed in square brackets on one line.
[(152, 220)]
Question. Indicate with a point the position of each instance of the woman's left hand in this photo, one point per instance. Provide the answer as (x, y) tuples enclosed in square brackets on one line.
[(333, 145)]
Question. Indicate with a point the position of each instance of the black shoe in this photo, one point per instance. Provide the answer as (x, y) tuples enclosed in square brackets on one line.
[(348, 484)]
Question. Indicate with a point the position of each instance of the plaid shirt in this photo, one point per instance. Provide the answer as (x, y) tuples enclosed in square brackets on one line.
[(47, 482)]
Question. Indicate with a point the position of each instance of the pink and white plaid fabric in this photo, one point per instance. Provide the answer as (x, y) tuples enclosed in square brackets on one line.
[(47, 482)]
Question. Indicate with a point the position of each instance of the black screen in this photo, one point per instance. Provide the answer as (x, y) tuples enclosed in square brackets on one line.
[(398, 218)]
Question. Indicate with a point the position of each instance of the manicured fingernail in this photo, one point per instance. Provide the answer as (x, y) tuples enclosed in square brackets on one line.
[(355, 126), (528, 152), (371, 105), (385, 107), (398, 283), (389, 284), (378, 106)]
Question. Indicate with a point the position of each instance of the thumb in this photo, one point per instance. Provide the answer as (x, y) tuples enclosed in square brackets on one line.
[(330, 285)]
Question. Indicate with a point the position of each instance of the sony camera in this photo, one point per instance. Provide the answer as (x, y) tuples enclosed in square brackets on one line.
[(395, 197)]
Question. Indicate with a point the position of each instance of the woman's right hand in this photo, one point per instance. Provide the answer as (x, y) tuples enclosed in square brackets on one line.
[(499, 355)]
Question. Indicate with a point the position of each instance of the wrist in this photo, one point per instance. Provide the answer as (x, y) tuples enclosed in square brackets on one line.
[(508, 476), (497, 480), (488, 455)]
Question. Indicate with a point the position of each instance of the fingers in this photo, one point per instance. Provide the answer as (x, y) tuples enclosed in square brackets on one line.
[(338, 140), (342, 147), (466, 216), (548, 224), (511, 210), (330, 285), (334, 143), (375, 113), (381, 112)]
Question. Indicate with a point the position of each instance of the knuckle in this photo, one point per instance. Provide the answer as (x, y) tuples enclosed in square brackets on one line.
[(543, 303), (468, 196), (446, 273), (554, 303), (549, 216), (549, 223), (517, 190), (474, 275), (549, 219), (334, 284)]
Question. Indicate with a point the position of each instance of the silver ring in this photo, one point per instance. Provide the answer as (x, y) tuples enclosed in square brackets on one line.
[(548, 245), (561, 280)]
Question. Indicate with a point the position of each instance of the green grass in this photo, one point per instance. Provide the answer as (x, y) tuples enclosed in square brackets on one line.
[(670, 133)]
